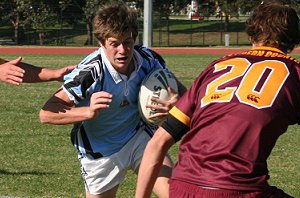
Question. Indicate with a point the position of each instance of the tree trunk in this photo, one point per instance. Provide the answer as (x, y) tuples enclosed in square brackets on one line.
[(89, 28), (16, 31), (42, 37)]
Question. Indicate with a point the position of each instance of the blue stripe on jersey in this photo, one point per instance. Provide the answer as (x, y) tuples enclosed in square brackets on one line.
[(114, 126)]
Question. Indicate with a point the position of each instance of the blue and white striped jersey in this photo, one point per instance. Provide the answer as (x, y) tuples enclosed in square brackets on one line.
[(116, 125)]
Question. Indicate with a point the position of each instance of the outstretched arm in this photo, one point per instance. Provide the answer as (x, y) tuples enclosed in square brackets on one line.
[(41, 74), (15, 72), (153, 157), (10, 73), (38, 74)]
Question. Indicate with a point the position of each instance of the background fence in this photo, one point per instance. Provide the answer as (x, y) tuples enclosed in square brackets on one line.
[(166, 33)]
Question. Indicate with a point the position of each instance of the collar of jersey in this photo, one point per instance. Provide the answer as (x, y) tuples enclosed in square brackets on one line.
[(268, 49), (117, 77)]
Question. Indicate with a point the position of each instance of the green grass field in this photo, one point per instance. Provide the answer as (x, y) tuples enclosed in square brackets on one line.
[(40, 161)]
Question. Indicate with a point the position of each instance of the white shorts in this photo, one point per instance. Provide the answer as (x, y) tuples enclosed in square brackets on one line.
[(101, 175)]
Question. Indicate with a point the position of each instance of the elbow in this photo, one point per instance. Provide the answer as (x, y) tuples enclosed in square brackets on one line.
[(43, 116), (161, 141), (157, 145)]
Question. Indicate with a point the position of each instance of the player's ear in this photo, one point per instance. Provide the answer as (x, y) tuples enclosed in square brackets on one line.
[(250, 39)]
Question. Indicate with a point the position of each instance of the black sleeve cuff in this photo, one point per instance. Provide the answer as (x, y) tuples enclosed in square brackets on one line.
[(175, 128)]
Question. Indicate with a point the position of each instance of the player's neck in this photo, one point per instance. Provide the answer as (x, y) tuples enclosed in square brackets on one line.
[(130, 69), (257, 45)]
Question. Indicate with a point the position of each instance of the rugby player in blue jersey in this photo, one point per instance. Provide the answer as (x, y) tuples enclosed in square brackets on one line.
[(231, 117), (16, 72), (100, 97)]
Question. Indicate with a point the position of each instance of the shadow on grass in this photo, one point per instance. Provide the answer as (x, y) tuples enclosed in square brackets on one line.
[(6, 172)]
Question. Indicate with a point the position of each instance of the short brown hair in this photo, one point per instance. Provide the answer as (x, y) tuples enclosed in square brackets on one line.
[(115, 20), (274, 24)]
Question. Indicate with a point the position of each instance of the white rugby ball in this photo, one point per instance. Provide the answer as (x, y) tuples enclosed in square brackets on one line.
[(155, 86)]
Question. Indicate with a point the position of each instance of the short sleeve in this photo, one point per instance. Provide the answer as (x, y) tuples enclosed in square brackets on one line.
[(82, 79)]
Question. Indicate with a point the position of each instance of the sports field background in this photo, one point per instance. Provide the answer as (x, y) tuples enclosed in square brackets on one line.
[(39, 160), (85, 50)]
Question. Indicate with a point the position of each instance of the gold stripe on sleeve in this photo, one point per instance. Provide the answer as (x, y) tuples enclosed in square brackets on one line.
[(179, 115)]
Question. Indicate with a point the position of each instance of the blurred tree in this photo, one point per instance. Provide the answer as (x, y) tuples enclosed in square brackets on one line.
[(235, 8), (83, 8), (42, 14), (70, 12), (163, 8), (89, 10), (13, 11), (28, 14)]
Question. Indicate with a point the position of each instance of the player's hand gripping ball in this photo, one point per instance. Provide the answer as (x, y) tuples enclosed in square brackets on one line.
[(155, 85)]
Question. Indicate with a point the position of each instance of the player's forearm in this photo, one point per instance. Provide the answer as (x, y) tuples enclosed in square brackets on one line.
[(63, 115), (153, 157), (47, 74), (37, 74), (148, 172)]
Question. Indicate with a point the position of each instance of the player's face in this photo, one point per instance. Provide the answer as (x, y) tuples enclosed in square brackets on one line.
[(119, 52)]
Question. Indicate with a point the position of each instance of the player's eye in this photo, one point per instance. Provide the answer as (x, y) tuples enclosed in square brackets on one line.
[(128, 42), (114, 44)]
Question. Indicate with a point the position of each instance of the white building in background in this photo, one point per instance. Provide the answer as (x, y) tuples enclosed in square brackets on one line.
[(194, 12), (193, 9)]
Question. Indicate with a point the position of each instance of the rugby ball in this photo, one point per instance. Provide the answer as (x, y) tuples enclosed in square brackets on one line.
[(155, 86)]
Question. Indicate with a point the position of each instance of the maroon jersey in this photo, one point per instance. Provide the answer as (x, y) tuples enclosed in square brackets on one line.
[(234, 112)]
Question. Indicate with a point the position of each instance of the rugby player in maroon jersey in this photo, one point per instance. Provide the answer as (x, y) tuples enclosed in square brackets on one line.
[(232, 115)]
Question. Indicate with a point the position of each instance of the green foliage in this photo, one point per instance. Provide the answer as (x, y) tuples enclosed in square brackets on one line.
[(246, 6), (179, 32), (39, 160), (41, 16), (25, 16)]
